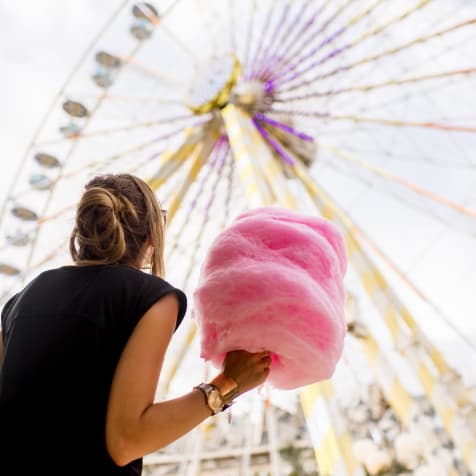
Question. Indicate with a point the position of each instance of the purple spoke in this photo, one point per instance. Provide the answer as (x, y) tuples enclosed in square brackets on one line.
[(291, 112), (272, 39), (290, 69), (272, 54), (374, 58), (274, 143), (226, 148), (258, 50), (284, 127), (285, 57), (302, 45), (211, 165), (249, 35), (337, 51), (168, 135), (232, 27)]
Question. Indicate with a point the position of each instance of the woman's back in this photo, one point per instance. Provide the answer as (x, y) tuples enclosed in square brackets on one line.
[(64, 334)]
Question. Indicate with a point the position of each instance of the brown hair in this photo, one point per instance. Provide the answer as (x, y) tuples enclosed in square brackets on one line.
[(115, 217)]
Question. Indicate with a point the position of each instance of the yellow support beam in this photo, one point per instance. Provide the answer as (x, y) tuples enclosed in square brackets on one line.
[(331, 440), (256, 149), (171, 160), (245, 149)]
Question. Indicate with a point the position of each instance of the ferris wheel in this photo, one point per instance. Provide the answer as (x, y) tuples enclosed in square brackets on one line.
[(362, 111)]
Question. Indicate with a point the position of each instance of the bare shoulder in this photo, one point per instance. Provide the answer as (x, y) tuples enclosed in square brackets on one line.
[(154, 330)]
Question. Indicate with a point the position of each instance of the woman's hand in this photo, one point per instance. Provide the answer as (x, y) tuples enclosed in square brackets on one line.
[(247, 369)]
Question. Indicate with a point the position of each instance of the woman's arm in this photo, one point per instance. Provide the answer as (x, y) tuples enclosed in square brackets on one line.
[(135, 426)]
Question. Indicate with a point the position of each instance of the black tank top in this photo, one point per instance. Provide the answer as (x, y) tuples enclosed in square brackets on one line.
[(63, 335)]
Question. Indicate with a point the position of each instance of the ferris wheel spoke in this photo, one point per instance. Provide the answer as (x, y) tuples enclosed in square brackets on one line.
[(260, 54), (273, 37), (410, 284), (224, 157), (417, 159), (199, 247), (208, 26), (401, 181), (232, 27), (271, 56), (398, 123), (301, 50), (170, 8), (229, 191), (25, 272), (285, 55), (250, 73), (284, 127), (126, 128), (278, 148), (173, 159), (378, 56), (202, 152), (216, 156), (49, 196), (100, 163), (122, 154), (380, 121), (286, 78), (249, 35), (157, 22), (151, 71), (302, 46), (133, 99), (370, 87), (407, 95), (381, 187)]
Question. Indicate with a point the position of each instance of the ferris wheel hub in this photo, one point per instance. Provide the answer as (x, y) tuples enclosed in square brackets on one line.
[(251, 95), (212, 84)]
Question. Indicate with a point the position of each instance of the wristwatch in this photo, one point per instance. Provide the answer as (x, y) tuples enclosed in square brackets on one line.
[(213, 397), (219, 392)]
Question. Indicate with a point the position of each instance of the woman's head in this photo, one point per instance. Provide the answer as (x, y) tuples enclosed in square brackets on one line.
[(118, 216)]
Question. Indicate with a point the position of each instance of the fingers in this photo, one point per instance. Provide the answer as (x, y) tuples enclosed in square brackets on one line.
[(248, 369), (250, 356)]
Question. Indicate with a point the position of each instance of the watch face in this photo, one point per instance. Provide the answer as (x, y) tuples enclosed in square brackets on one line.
[(215, 401)]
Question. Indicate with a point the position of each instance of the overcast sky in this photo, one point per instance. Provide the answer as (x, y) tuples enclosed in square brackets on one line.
[(40, 41)]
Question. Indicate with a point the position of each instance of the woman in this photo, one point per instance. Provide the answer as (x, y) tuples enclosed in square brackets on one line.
[(83, 347)]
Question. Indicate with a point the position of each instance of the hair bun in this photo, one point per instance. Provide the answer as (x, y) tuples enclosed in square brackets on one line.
[(100, 232)]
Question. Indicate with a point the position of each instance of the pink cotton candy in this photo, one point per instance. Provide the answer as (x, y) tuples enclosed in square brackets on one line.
[(273, 281)]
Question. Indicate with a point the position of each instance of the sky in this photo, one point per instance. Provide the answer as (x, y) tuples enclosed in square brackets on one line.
[(39, 44)]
